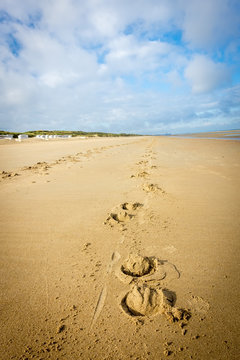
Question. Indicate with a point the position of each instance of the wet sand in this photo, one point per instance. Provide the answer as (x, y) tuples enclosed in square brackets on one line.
[(75, 216), (222, 135)]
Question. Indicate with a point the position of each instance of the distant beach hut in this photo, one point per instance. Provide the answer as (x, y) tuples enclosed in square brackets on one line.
[(22, 136), (7, 136), (64, 136)]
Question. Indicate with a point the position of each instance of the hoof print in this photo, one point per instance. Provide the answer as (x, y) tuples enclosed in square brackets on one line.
[(152, 188), (137, 265), (121, 216), (145, 301), (142, 174), (121, 213), (140, 269), (131, 206)]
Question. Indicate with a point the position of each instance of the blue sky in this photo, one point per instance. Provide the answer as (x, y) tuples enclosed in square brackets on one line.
[(146, 67)]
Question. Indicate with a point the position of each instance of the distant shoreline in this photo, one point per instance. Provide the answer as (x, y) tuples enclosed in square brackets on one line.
[(220, 135)]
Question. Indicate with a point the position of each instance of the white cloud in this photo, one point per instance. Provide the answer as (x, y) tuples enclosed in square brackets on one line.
[(174, 78), (210, 23), (19, 9), (205, 75), (126, 54), (107, 64)]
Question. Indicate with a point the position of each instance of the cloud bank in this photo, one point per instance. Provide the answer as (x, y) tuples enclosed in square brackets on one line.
[(144, 67)]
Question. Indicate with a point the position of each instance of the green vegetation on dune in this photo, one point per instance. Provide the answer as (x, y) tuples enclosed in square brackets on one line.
[(15, 134), (64, 132)]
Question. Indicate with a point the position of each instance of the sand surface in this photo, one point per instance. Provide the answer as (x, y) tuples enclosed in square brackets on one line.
[(124, 248)]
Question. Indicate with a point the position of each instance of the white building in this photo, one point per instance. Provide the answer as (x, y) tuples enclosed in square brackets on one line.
[(22, 136), (64, 136), (7, 136), (47, 137)]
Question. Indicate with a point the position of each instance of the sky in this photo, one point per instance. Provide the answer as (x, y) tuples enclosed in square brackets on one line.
[(139, 66)]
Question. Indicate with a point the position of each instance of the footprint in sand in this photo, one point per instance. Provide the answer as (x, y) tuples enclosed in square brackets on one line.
[(38, 166), (137, 265), (144, 300), (142, 174), (138, 268), (6, 175), (152, 188), (119, 217), (121, 214), (142, 162), (131, 206)]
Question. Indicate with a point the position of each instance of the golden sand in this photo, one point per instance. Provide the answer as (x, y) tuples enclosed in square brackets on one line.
[(75, 214)]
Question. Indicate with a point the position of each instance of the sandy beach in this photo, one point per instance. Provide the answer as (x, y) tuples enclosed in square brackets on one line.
[(120, 248)]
